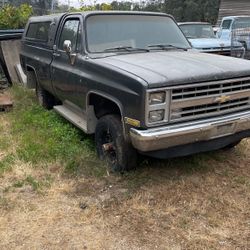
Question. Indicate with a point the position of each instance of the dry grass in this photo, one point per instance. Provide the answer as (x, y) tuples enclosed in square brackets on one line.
[(199, 202)]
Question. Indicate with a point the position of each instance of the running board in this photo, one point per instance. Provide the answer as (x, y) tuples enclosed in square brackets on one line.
[(73, 116)]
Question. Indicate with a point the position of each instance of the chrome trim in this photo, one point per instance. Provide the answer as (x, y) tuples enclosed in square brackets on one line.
[(183, 103), (210, 98), (165, 106), (180, 134), (213, 82)]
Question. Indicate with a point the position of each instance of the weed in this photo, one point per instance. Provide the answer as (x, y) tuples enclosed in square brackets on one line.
[(242, 180), (5, 203), (35, 184), (6, 163), (4, 142), (17, 184)]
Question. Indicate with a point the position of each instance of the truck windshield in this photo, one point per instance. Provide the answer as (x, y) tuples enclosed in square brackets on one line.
[(105, 32), (198, 30)]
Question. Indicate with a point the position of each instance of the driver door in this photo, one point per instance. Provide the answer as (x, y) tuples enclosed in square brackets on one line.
[(64, 72)]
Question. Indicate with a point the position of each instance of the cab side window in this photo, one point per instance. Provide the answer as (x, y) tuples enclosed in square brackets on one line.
[(71, 31), (226, 24)]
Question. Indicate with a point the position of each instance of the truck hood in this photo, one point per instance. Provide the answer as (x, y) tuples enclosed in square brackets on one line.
[(209, 43), (167, 68)]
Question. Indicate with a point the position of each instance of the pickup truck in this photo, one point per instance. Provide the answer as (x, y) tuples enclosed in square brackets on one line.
[(133, 80), (235, 29), (202, 37)]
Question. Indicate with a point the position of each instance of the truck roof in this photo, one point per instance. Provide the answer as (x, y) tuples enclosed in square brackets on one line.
[(54, 17), (233, 17), (45, 18)]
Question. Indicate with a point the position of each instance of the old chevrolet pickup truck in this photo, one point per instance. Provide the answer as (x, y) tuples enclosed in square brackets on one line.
[(132, 79)]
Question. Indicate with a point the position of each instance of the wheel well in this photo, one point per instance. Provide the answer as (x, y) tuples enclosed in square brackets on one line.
[(103, 106), (31, 78)]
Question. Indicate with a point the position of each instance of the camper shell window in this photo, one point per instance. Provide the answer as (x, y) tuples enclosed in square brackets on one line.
[(38, 31)]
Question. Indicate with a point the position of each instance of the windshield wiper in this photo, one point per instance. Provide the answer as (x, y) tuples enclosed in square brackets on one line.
[(165, 46), (126, 48)]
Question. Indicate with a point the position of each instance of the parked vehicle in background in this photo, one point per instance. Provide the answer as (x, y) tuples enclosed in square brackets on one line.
[(235, 29), (202, 37), (132, 79)]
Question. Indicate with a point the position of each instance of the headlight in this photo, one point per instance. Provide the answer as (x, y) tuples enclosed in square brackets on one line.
[(157, 98), (156, 115)]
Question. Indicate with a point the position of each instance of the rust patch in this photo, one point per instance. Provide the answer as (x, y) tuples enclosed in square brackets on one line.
[(5, 102)]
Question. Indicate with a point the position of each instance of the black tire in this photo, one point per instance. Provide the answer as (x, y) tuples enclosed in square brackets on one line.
[(231, 145), (111, 145), (45, 99)]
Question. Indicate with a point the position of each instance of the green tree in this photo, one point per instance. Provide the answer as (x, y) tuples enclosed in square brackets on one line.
[(40, 7), (192, 11), (14, 18), (211, 9)]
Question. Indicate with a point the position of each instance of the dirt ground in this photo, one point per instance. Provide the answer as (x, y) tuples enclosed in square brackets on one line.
[(196, 202), (160, 207)]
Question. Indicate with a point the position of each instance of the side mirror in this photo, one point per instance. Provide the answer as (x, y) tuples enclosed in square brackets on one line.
[(67, 47)]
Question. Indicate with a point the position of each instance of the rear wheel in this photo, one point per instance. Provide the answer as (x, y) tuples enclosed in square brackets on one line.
[(45, 99), (111, 145)]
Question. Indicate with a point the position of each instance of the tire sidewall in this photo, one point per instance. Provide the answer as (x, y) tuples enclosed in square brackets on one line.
[(113, 124)]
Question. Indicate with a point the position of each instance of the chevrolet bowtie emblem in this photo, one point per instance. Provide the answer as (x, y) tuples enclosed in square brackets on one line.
[(222, 99)]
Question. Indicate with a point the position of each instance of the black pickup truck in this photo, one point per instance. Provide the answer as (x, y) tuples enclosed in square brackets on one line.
[(132, 79)]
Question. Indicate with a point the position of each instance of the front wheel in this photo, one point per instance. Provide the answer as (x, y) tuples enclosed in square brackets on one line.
[(111, 145)]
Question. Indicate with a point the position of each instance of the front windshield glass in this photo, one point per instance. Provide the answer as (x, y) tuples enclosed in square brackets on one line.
[(198, 30), (105, 32)]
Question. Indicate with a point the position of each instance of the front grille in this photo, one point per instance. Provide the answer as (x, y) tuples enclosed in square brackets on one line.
[(210, 99), (220, 52)]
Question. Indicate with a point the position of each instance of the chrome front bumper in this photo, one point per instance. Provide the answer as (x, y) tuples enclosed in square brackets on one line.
[(180, 134)]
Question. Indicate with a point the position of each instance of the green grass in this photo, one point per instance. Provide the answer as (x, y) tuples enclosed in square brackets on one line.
[(6, 163), (34, 183), (43, 137)]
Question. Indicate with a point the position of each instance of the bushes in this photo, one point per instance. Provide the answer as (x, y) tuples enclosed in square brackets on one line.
[(14, 17)]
